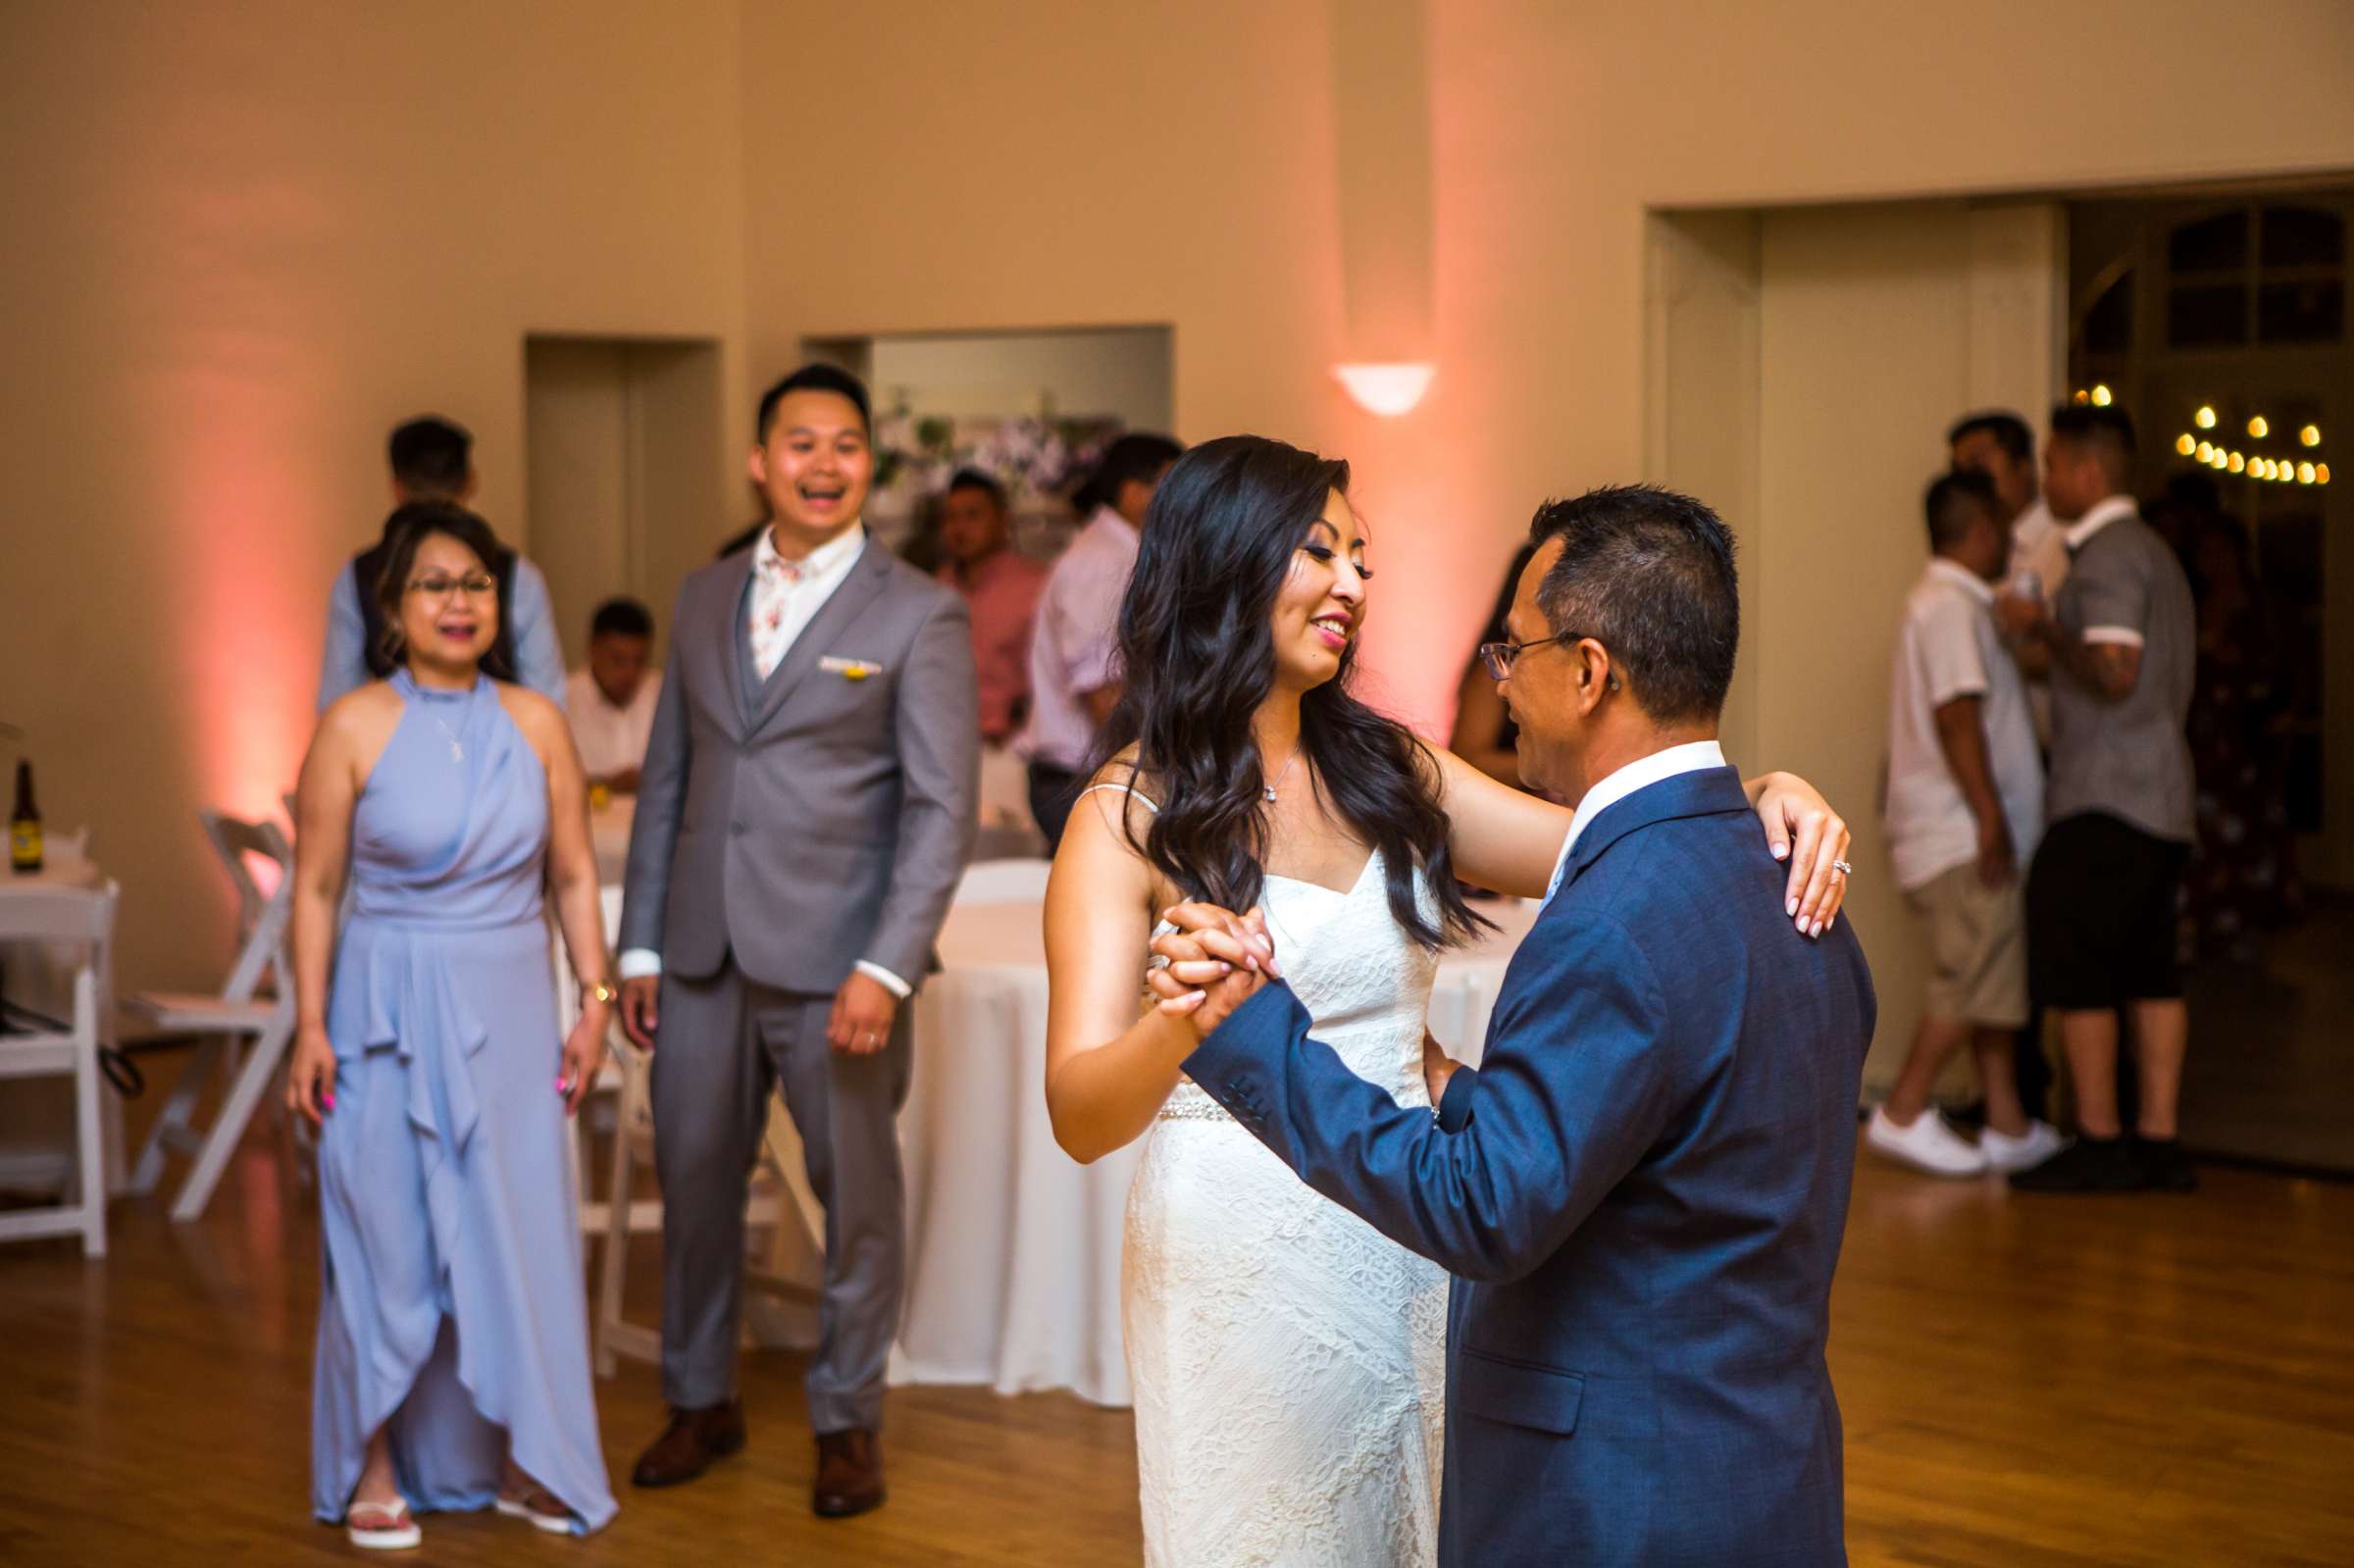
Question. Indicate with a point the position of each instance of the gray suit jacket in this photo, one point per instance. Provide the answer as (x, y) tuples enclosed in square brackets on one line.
[(821, 816)]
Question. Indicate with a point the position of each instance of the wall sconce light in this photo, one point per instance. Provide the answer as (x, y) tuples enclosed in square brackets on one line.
[(1388, 391)]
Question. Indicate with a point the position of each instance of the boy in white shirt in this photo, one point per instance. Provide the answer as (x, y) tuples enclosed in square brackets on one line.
[(611, 702), (1964, 808)]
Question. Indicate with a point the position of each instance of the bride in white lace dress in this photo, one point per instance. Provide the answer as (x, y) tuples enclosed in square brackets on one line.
[(1288, 1360)]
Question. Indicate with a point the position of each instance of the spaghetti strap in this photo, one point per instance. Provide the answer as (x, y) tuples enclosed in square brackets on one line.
[(1132, 793)]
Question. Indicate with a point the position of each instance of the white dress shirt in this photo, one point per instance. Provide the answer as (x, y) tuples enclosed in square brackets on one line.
[(1641, 774), (611, 739), (786, 596), (2040, 544)]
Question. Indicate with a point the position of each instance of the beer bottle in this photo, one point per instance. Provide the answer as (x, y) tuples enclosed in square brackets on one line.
[(25, 825)]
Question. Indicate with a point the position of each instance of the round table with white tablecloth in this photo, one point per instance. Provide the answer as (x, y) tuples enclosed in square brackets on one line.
[(1013, 1248)]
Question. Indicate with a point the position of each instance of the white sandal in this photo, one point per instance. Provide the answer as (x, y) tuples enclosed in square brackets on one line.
[(397, 1533), (520, 1505)]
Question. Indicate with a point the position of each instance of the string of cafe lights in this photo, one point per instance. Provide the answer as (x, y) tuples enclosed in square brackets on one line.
[(2209, 451)]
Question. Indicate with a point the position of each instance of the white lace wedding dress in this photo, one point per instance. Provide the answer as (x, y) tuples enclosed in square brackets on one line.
[(1288, 1361)]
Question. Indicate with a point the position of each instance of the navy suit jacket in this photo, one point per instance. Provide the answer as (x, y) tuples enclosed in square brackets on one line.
[(1640, 1192)]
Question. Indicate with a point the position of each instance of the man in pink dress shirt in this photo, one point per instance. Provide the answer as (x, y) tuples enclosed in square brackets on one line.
[(1074, 674), (1000, 591)]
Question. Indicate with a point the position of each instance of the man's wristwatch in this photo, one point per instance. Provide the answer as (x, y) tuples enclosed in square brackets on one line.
[(600, 990)]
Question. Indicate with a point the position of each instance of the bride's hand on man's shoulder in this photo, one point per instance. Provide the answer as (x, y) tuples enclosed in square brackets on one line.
[(1213, 963), (1803, 832)]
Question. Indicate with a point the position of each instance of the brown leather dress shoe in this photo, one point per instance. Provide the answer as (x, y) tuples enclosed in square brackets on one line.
[(688, 1444), (850, 1473)]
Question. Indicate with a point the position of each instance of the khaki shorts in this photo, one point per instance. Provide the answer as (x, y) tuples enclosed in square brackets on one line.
[(1977, 948)]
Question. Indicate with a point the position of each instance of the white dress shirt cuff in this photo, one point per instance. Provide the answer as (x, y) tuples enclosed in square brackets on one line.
[(2122, 636), (875, 972), (635, 963)]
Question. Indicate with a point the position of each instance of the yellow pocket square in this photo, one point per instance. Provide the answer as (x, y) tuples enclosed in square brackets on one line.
[(848, 669)]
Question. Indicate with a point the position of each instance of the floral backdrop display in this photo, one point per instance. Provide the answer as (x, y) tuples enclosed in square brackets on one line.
[(1040, 460)]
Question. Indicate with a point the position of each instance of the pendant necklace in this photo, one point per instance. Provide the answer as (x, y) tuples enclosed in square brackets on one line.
[(1268, 790), (457, 752)]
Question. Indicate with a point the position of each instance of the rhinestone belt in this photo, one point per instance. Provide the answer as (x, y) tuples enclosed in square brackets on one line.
[(1192, 1108)]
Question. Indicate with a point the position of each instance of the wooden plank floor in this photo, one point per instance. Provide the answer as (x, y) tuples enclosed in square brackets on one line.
[(2111, 1380)]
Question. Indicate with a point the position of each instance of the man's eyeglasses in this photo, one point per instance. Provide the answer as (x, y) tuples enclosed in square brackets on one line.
[(479, 587), (1500, 657)]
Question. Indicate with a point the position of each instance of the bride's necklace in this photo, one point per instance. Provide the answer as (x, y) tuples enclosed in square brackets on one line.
[(457, 751), (1268, 790)]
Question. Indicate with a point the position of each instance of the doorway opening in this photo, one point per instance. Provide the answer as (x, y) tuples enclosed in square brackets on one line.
[(626, 462), (2220, 318)]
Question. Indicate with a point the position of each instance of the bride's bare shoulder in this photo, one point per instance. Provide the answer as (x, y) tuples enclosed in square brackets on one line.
[(1122, 778), (1110, 822)]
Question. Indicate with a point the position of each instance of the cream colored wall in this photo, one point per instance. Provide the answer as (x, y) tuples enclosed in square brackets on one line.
[(243, 241)]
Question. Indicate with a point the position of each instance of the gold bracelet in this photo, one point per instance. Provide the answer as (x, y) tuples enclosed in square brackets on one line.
[(600, 991)]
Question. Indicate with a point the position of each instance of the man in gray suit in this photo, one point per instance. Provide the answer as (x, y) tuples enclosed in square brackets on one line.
[(806, 805)]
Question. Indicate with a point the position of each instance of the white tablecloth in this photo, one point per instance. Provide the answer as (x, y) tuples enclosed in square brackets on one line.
[(609, 833), (1013, 1249)]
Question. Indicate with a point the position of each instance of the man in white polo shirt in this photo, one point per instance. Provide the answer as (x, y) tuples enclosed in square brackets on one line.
[(1964, 808)]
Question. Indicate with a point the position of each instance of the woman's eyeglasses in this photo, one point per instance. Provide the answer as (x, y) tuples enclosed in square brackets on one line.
[(479, 587)]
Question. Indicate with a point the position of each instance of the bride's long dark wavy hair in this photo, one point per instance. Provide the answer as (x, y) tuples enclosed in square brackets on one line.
[(1197, 658)]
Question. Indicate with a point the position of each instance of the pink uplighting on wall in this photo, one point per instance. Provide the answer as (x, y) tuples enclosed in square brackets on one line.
[(1388, 391), (244, 620)]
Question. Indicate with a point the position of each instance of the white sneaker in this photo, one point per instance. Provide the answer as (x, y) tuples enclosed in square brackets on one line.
[(2040, 1142), (1928, 1145)]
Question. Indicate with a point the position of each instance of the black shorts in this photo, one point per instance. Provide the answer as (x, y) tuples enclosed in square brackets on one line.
[(2101, 915)]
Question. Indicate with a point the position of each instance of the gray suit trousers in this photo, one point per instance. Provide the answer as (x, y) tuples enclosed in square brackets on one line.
[(723, 1041)]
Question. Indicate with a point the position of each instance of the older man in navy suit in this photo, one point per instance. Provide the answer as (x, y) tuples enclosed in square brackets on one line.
[(1641, 1189)]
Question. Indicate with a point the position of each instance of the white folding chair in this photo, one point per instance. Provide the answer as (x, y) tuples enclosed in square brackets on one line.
[(85, 919), (781, 1205), (1003, 882), (241, 1013)]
